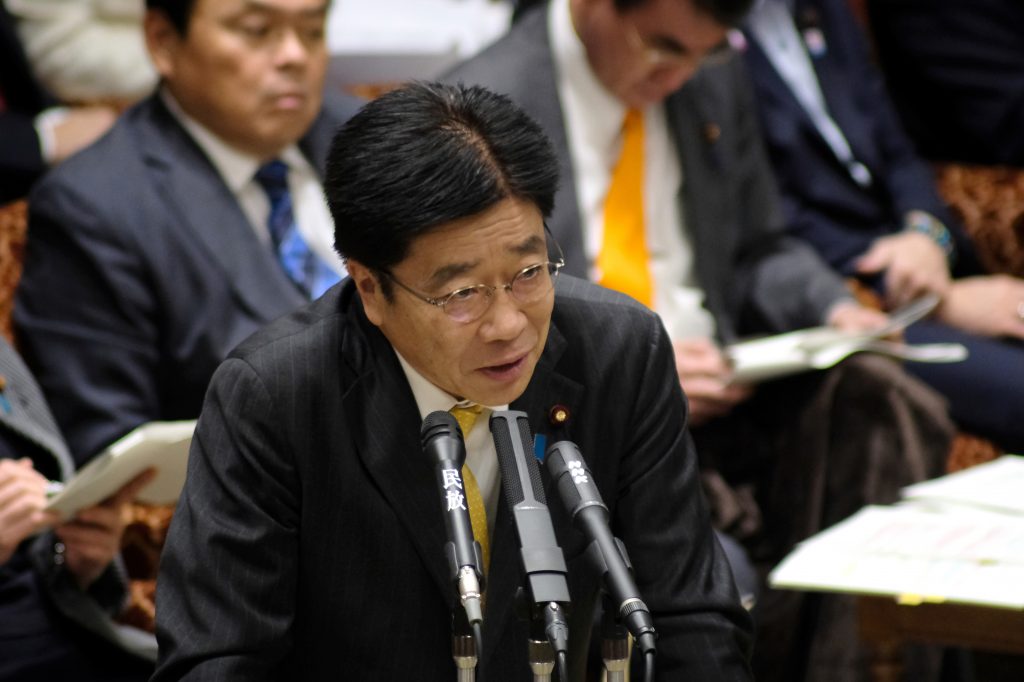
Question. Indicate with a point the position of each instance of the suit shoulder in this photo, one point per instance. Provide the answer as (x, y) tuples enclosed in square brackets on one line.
[(501, 65), (581, 306)]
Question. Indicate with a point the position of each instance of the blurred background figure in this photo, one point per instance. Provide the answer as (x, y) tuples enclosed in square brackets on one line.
[(86, 51), (60, 583), (853, 186), (955, 69), (35, 130)]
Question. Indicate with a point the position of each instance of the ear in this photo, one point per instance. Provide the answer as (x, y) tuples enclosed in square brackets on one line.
[(374, 301), (162, 41)]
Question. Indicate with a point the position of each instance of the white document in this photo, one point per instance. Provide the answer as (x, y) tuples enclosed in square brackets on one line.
[(996, 486), (162, 445), (823, 347), (915, 556)]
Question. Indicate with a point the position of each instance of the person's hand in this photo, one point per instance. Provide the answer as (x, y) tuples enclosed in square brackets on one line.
[(990, 305), (914, 265), (850, 316), (80, 127), (704, 375), (93, 538), (22, 504)]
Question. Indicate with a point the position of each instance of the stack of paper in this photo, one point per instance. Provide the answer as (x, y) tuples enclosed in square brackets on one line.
[(959, 538)]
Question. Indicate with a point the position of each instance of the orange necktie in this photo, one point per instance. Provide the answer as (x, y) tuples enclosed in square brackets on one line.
[(624, 259), (466, 416)]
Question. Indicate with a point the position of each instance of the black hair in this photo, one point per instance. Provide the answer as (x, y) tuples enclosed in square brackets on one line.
[(427, 154), (178, 12), (725, 12)]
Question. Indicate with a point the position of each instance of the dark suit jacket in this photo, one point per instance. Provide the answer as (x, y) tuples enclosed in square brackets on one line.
[(49, 629), (821, 201), (308, 541), (754, 277), (21, 160), (955, 70), (141, 273)]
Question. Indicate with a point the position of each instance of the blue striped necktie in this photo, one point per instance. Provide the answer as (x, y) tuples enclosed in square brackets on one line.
[(311, 274)]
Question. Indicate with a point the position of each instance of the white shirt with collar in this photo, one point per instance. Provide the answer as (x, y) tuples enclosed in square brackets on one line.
[(593, 121), (481, 457), (771, 23), (238, 169)]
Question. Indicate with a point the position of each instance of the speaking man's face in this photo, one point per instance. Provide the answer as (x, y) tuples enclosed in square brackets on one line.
[(645, 53), (489, 360), (252, 71)]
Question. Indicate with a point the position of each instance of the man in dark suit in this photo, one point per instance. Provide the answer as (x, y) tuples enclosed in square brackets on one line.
[(34, 131), (854, 188), (718, 265), (308, 543), (59, 588), (955, 70), (157, 250)]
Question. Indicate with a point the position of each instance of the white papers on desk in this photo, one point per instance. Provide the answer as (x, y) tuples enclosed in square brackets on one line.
[(913, 555), (996, 486)]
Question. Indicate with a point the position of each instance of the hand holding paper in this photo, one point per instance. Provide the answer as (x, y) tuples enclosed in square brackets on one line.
[(93, 538), (823, 347), (160, 445)]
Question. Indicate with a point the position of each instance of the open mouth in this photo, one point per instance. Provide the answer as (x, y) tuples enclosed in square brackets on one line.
[(506, 370)]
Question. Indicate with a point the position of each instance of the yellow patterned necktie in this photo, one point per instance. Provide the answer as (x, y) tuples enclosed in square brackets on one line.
[(466, 416), (623, 263)]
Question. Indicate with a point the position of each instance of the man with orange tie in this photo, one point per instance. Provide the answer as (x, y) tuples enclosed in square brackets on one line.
[(198, 219), (668, 197)]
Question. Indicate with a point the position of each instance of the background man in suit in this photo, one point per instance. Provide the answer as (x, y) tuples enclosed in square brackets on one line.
[(955, 70), (34, 132), (308, 541), (700, 239), (853, 186), (58, 588), (176, 236)]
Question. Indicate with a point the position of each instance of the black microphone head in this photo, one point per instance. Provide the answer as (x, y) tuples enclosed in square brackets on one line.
[(510, 430), (441, 437)]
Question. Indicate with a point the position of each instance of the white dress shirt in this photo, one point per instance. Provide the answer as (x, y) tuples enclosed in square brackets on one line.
[(238, 169), (481, 457), (593, 120)]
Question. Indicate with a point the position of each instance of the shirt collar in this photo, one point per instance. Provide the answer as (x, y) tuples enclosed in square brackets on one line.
[(430, 398), (604, 111), (235, 167)]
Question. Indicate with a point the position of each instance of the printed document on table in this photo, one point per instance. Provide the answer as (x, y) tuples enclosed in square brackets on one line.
[(915, 556)]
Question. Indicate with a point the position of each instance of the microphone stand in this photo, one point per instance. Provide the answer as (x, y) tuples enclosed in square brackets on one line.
[(542, 659), (614, 643), (463, 647)]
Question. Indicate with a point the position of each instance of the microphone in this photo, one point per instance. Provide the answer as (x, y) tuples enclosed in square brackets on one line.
[(590, 515), (442, 442), (542, 560)]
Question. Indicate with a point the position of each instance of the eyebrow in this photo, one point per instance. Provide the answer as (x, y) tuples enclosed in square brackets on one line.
[(531, 245)]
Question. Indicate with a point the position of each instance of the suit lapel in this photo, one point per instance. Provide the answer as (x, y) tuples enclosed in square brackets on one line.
[(212, 216), (389, 446), (28, 415), (537, 93), (693, 119)]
